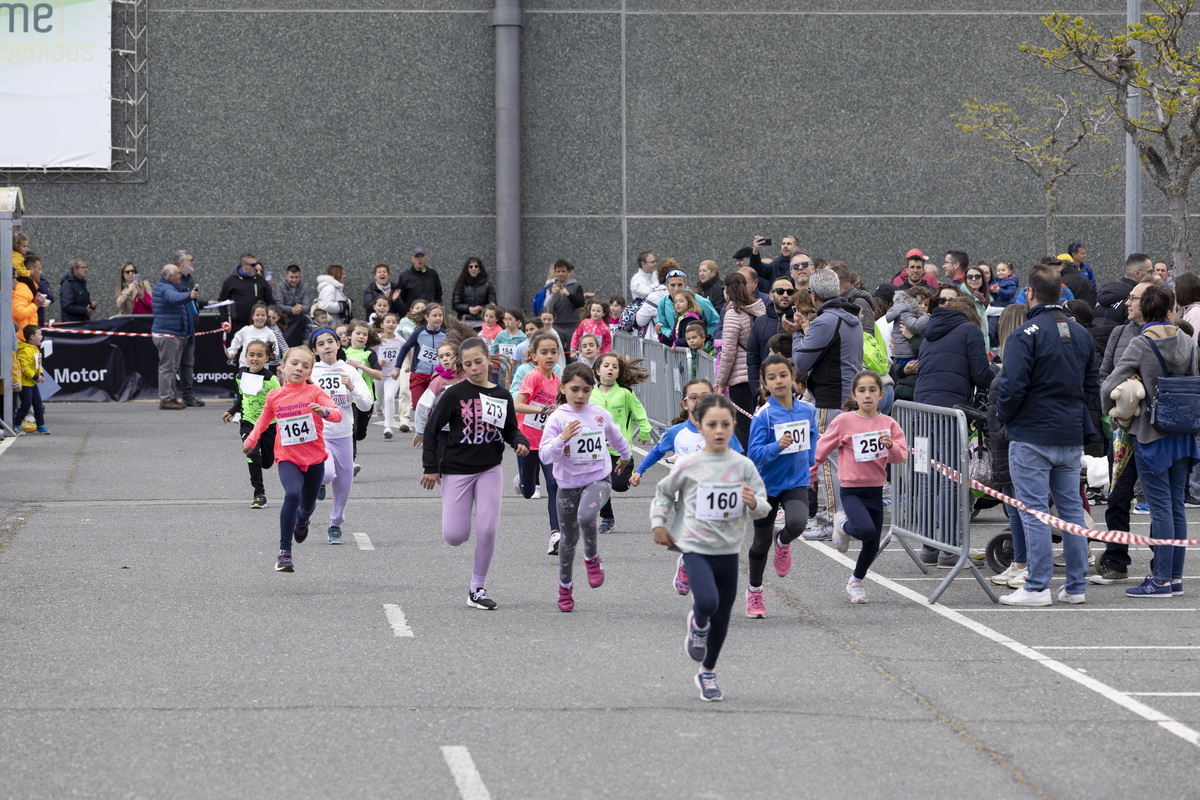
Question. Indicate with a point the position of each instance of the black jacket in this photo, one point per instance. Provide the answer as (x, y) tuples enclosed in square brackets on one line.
[(1110, 301), (244, 292), (415, 285), (765, 328), (1079, 285), (74, 297), (473, 294), (953, 361), (1046, 382), (714, 290), (372, 291)]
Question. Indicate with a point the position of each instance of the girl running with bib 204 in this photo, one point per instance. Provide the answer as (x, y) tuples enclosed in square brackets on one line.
[(479, 418), (346, 386), (300, 410), (867, 442), (575, 442), (708, 493)]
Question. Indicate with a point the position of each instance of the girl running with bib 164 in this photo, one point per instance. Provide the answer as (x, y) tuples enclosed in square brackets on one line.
[(867, 442), (300, 410), (575, 442), (709, 492)]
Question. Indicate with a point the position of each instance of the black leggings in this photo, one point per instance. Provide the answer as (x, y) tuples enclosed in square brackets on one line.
[(620, 483), (714, 587), (743, 398), (527, 468), (261, 457), (863, 507), (795, 515), (299, 498)]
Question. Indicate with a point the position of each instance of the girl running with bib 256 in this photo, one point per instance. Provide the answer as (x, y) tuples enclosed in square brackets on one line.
[(575, 442), (708, 492), (867, 442), (783, 436), (465, 459), (300, 410)]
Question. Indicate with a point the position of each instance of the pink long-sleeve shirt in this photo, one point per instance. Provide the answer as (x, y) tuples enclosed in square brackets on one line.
[(841, 434)]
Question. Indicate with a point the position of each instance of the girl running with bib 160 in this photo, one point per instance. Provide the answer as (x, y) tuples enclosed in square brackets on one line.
[(466, 457), (783, 436), (346, 386), (575, 442), (867, 442), (300, 410), (709, 492)]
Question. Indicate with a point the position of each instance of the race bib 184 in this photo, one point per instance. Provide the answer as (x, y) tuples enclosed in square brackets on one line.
[(718, 501)]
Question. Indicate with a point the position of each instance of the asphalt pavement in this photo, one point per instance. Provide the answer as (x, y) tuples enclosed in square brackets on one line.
[(149, 650)]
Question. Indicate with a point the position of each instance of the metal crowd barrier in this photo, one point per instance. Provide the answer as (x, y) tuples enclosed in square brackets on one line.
[(929, 507), (670, 370)]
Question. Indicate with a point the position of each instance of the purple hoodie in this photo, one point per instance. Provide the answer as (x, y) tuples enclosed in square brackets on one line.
[(571, 474)]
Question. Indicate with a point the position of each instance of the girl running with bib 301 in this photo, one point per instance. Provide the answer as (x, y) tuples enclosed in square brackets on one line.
[(479, 418), (300, 410), (783, 436), (709, 492), (575, 442), (346, 386), (867, 442)]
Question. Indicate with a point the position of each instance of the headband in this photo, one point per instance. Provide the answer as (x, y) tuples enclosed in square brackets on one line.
[(312, 340)]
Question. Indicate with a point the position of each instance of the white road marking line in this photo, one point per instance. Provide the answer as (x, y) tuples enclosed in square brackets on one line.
[(363, 541), (396, 619), (1163, 694), (1123, 699), (462, 767), (7, 443), (1117, 647)]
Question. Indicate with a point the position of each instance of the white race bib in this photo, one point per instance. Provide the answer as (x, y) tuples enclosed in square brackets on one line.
[(507, 350), (495, 411), (251, 383), (867, 447), (329, 382), (588, 447), (799, 432), (428, 355), (297, 430), (388, 354), (535, 421), (718, 501)]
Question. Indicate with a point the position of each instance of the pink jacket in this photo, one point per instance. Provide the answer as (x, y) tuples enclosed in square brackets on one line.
[(599, 329), (840, 434), (734, 336)]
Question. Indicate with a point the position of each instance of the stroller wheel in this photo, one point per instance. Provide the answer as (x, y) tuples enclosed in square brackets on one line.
[(1000, 552)]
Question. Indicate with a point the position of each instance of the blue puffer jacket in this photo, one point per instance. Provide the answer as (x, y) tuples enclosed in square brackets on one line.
[(172, 309), (953, 361)]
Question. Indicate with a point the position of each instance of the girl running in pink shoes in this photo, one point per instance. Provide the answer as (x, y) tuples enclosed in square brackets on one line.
[(478, 417), (300, 411), (535, 402), (867, 442), (709, 492), (575, 442)]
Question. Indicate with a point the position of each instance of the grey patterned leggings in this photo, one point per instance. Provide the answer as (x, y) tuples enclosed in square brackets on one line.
[(578, 510)]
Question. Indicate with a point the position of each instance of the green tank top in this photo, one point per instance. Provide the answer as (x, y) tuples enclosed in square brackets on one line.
[(363, 357)]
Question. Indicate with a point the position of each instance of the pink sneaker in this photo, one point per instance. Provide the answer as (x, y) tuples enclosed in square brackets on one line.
[(594, 572), (565, 601), (754, 604), (854, 588), (783, 558), (681, 579)]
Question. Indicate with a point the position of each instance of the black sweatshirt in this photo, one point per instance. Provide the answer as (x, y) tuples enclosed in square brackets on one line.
[(471, 445)]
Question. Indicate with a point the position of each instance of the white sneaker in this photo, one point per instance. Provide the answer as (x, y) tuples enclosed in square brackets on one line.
[(537, 493), (841, 541), (1073, 599), (1024, 597), (1004, 577), (1018, 580), (517, 484), (387, 433), (552, 550)]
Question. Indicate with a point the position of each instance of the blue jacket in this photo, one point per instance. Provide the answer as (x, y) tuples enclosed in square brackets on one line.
[(666, 314), (73, 297), (1046, 383), (782, 472), (953, 361), (1006, 292), (421, 337), (690, 440), (172, 309)]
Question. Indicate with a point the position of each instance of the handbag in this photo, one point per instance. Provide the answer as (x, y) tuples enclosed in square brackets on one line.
[(1175, 407)]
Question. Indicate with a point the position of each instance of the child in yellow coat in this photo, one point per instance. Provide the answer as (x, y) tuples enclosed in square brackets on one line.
[(29, 357)]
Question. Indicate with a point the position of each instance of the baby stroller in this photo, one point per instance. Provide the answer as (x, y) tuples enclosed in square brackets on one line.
[(999, 550)]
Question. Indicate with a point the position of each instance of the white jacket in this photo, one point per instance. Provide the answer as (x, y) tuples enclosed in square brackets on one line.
[(329, 378), (249, 334), (330, 294), (642, 282)]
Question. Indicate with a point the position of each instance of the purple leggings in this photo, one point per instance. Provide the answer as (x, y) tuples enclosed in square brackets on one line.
[(342, 479), (461, 492)]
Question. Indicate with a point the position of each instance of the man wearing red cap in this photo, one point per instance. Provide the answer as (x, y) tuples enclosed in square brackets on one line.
[(914, 273)]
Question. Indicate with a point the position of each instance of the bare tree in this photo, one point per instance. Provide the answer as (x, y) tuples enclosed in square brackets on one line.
[(1166, 72), (1050, 140)]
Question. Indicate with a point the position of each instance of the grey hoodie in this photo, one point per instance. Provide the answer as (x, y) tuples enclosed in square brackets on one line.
[(830, 352), (1178, 350), (905, 309)]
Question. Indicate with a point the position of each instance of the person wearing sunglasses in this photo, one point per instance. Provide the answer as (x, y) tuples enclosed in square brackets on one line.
[(245, 287), (133, 295), (974, 286)]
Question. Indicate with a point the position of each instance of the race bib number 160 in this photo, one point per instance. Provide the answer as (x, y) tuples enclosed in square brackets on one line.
[(718, 501)]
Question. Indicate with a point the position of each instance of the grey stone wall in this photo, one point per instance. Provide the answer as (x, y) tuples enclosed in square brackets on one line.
[(351, 131)]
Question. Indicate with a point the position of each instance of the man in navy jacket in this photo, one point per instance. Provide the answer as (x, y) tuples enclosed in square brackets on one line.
[(172, 316), (1049, 374)]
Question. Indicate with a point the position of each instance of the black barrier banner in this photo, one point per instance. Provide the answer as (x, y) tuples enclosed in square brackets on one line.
[(103, 368)]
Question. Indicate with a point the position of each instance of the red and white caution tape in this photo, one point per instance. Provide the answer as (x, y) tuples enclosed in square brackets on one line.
[(1119, 537), (123, 333)]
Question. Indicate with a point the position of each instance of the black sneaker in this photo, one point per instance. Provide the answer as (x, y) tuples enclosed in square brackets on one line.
[(284, 563), (321, 492), (1106, 575), (260, 500), (300, 532), (478, 598), (1189, 500), (194, 403)]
